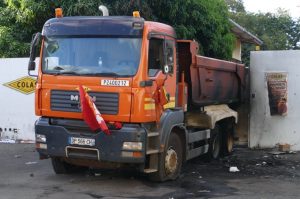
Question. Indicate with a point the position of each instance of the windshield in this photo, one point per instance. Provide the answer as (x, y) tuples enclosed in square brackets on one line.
[(91, 56)]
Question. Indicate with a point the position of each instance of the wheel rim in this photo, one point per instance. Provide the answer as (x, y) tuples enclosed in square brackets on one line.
[(229, 142), (216, 147), (171, 161)]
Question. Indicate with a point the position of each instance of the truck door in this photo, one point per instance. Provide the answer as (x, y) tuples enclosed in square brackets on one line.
[(162, 66)]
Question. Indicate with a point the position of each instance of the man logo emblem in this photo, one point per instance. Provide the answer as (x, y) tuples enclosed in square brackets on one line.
[(74, 98)]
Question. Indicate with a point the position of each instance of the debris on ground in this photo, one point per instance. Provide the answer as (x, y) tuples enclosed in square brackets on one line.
[(233, 169), (262, 164), (190, 193), (284, 147), (266, 156), (276, 153), (17, 156), (266, 162), (204, 191), (29, 163)]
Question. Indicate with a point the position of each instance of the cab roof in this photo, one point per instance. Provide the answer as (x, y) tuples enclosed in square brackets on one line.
[(94, 26)]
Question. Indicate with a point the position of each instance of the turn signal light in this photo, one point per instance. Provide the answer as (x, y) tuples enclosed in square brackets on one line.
[(130, 154), (58, 13), (137, 154), (40, 146)]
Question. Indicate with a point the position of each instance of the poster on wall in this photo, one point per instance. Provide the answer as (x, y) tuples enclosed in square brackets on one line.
[(277, 92)]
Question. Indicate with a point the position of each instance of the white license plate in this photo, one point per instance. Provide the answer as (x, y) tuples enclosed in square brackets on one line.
[(82, 141), (110, 82)]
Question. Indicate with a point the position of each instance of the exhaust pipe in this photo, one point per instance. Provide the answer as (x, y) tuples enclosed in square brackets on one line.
[(104, 10)]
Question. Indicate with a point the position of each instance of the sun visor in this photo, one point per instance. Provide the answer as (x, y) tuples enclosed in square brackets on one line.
[(94, 26)]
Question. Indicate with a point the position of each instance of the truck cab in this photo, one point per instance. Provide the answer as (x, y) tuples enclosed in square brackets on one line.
[(108, 56)]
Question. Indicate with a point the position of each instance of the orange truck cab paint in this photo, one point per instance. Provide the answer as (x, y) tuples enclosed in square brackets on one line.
[(139, 75)]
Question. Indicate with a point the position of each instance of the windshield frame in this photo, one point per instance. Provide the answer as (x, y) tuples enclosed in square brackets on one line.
[(103, 74)]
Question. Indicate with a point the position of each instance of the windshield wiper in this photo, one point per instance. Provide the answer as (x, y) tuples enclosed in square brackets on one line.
[(66, 73), (106, 74)]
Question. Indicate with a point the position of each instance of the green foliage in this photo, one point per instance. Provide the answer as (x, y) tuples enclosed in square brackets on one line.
[(9, 47), (278, 31), (202, 20), (79, 7), (19, 19), (235, 6)]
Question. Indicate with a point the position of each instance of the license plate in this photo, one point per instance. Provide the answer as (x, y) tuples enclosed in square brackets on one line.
[(109, 82), (82, 141)]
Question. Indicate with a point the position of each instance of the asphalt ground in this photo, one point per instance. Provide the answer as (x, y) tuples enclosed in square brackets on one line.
[(262, 174)]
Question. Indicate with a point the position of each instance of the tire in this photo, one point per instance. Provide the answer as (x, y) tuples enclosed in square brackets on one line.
[(228, 138), (170, 161), (61, 167), (215, 144)]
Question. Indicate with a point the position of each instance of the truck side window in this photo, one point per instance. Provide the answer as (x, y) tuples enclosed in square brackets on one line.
[(156, 56)]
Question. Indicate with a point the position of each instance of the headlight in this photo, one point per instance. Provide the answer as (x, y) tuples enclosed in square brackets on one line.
[(40, 138), (135, 146)]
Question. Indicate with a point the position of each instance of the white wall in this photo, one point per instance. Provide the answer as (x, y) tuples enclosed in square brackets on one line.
[(17, 109), (266, 130)]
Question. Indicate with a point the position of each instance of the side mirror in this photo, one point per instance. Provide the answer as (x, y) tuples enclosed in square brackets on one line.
[(34, 43), (31, 65), (168, 58)]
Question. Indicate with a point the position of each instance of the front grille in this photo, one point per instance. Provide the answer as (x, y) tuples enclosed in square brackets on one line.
[(68, 101)]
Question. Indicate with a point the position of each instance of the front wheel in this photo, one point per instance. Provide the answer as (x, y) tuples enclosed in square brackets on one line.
[(170, 161), (62, 167)]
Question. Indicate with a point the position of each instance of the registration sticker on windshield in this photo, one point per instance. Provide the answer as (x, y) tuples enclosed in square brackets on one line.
[(110, 82)]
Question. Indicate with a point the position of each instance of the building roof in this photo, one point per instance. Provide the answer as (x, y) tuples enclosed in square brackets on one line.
[(244, 35)]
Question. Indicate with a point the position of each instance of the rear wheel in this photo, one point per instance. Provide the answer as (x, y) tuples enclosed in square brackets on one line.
[(170, 161), (229, 143), (215, 144), (228, 137)]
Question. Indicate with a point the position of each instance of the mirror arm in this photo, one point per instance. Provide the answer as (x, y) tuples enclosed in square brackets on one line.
[(32, 53), (32, 75)]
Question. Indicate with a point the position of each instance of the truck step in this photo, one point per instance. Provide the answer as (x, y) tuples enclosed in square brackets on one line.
[(150, 170), (152, 134), (152, 151)]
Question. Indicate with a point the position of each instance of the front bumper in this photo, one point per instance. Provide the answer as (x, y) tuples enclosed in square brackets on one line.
[(107, 148)]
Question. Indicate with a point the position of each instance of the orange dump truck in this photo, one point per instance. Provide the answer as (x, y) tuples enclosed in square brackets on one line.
[(170, 104)]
